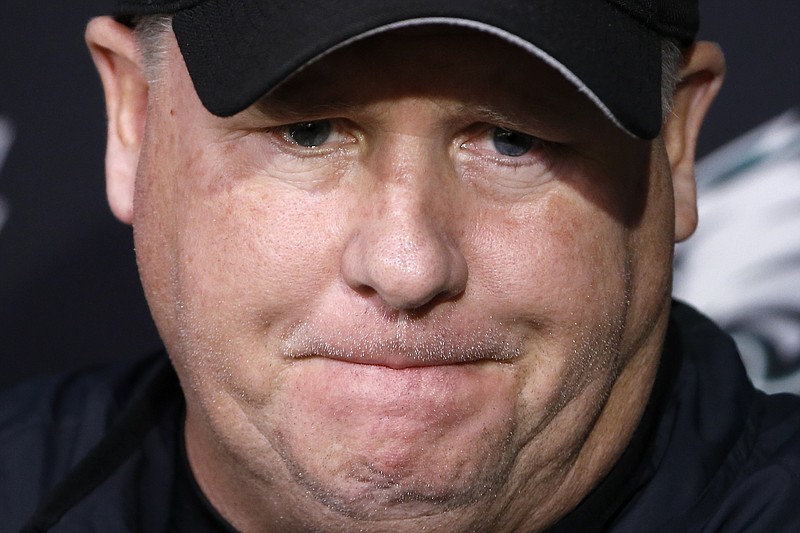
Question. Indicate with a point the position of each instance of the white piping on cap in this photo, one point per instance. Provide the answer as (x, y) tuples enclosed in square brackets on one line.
[(493, 30)]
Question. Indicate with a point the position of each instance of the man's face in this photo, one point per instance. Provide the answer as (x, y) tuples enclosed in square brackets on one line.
[(425, 279)]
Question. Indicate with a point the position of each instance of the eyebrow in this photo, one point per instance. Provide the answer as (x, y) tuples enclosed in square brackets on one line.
[(514, 121), (291, 110)]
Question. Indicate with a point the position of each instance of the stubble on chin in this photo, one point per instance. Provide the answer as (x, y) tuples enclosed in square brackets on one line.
[(361, 491)]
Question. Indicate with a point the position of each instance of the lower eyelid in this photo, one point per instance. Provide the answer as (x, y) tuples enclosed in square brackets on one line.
[(506, 182), (336, 140)]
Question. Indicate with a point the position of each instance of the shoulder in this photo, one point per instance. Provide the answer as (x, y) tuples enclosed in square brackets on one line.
[(49, 424), (746, 442), (764, 494), (776, 453)]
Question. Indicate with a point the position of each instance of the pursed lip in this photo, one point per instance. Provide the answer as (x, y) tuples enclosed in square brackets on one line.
[(398, 353)]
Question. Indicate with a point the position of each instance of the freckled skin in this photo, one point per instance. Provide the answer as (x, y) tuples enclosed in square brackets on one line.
[(401, 330)]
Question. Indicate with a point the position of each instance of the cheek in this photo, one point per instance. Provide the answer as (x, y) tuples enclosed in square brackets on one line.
[(552, 263), (224, 253), (251, 246), (561, 272), (256, 256)]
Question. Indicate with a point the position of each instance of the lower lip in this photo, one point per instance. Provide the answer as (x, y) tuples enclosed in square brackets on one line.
[(380, 389)]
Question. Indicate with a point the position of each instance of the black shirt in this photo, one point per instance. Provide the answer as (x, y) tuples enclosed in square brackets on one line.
[(104, 451)]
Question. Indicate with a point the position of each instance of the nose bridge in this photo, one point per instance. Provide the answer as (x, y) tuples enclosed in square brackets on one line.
[(404, 249)]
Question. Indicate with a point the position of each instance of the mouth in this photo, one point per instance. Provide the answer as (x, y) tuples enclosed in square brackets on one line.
[(404, 349)]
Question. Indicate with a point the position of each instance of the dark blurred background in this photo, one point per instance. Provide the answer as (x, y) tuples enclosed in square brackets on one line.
[(69, 292)]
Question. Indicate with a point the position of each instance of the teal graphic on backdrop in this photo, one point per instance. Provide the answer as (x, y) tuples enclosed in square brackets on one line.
[(6, 138)]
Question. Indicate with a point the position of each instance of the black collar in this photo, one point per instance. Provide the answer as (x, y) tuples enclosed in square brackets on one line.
[(607, 501)]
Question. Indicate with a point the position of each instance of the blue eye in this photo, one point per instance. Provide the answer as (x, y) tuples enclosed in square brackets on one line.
[(309, 134), (511, 143)]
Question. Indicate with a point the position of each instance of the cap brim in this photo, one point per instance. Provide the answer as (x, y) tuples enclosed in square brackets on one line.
[(236, 52)]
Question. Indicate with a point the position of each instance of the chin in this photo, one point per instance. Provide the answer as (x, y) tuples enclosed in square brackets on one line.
[(367, 492), (368, 441)]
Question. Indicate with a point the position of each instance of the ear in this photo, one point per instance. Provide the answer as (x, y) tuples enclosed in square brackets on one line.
[(700, 80), (115, 52)]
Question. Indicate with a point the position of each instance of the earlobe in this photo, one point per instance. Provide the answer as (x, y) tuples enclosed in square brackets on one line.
[(116, 56), (700, 81)]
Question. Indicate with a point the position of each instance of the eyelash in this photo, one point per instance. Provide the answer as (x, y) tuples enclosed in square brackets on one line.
[(541, 156), (479, 147), (282, 138)]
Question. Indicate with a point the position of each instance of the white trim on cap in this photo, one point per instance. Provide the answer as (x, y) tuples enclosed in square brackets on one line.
[(493, 30)]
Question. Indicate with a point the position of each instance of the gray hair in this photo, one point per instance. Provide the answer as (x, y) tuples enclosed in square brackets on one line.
[(151, 32), (151, 29), (671, 63)]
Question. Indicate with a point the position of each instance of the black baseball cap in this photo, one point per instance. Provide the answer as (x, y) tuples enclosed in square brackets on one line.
[(238, 50)]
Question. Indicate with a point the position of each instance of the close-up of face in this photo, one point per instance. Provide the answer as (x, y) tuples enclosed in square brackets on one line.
[(424, 282)]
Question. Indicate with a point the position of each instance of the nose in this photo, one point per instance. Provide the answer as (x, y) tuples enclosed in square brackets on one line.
[(404, 246)]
